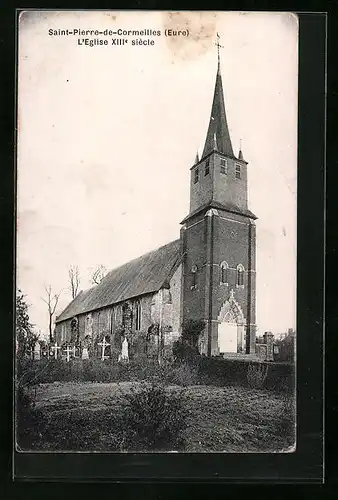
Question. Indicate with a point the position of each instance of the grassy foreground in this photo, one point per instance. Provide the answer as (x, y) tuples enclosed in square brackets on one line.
[(79, 417)]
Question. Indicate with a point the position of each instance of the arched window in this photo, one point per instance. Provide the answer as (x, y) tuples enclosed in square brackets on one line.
[(74, 328), (194, 276), (127, 316), (137, 315), (224, 272), (240, 275)]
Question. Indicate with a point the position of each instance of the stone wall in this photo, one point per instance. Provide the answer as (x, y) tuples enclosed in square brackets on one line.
[(162, 307)]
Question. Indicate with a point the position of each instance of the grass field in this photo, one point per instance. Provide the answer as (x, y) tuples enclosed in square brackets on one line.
[(77, 416)]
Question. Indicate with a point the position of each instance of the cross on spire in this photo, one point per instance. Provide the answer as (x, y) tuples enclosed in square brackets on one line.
[(218, 122), (218, 45)]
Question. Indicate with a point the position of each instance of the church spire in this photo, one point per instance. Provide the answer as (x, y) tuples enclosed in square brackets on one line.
[(218, 123)]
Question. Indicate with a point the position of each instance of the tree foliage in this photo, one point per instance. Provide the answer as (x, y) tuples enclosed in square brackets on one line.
[(25, 336), (191, 330)]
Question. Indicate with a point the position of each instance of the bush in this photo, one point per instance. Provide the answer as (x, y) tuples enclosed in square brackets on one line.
[(184, 374), (29, 421), (256, 375), (191, 330), (151, 419), (217, 371), (285, 424), (183, 351), (280, 377)]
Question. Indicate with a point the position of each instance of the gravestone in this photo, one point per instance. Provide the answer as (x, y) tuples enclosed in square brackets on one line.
[(85, 354), (124, 356), (54, 350), (103, 346)]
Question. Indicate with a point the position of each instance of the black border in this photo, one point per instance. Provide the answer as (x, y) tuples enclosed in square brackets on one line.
[(303, 466)]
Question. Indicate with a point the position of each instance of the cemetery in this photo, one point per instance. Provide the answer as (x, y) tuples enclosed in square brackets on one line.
[(78, 402)]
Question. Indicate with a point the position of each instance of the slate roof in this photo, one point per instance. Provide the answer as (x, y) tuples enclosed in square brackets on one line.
[(227, 207), (218, 136), (143, 275)]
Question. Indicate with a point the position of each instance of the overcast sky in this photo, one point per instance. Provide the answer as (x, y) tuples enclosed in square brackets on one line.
[(107, 136)]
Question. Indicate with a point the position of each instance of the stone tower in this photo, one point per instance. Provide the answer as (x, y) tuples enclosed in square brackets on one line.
[(218, 240)]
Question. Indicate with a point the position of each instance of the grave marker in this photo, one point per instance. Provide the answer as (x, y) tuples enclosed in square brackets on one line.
[(103, 346)]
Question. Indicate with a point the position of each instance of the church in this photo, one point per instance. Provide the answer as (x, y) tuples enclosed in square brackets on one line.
[(207, 274)]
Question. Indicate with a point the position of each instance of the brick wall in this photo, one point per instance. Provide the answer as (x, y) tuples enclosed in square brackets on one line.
[(209, 241), (216, 185)]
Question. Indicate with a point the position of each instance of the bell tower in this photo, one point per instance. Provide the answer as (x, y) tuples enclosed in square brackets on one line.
[(218, 239)]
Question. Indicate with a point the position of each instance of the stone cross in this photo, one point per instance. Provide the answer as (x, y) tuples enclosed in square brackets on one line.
[(68, 350), (103, 345), (55, 348), (232, 294)]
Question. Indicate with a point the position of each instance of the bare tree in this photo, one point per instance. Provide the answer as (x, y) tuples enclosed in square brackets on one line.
[(74, 280), (51, 300), (98, 275)]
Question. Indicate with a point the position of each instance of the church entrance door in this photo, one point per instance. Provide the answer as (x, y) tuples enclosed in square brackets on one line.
[(227, 337)]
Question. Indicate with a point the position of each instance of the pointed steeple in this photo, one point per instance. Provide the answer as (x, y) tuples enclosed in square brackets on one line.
[(218, 123), (197, 158)]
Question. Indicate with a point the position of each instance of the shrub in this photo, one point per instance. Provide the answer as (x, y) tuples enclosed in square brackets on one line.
[(29, 421), (285, 424), (184, 374), (151, 419), (183, 351), (222, 372), (191, 330), (256, 375)]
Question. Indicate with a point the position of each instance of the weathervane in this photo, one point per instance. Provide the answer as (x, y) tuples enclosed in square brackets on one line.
[(218, 45)]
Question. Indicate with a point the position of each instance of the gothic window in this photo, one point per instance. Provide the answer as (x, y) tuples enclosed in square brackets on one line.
[(224, 272), (196, 175), (238, 171), (137, 315), (207, 168), (63, 332), (74, 328), (112, 321), (240, 275), (194, 276), (127, 316), (89, 324), (224, 166)]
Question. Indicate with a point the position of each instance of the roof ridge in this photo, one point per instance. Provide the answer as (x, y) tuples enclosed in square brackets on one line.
[(139, 257), (142, 275)]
